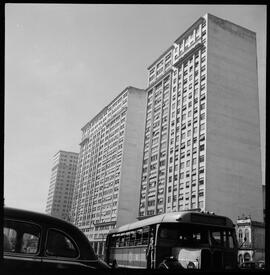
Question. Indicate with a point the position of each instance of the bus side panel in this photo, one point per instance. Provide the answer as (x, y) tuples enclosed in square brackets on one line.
[(129, 257), (115, 254), (125, 256), (119, 256), (143, 261), (111, 255), (137, 257)]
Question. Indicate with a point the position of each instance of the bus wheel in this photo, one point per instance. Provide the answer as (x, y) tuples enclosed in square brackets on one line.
[(114, 264), (170, 263), (162, 266)]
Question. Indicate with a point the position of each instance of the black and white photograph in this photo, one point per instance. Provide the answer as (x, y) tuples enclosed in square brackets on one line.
[(134, 138)]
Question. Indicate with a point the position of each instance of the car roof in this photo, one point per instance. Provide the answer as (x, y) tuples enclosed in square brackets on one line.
[(34, 216), (44, 219)]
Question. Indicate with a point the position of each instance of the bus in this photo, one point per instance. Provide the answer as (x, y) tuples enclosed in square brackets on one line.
[(184, 240)]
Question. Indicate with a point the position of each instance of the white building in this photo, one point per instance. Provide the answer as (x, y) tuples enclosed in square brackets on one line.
[(62, 184), (202, 135), (107, 187)]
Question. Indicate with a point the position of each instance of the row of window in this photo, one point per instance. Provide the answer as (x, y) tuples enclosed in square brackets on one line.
[(174, 208), (162, 162), (166, 61), (97, 123), (132, 238), (24, 238)]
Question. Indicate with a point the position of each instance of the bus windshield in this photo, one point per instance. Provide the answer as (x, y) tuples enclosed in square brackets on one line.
[(190, 235)]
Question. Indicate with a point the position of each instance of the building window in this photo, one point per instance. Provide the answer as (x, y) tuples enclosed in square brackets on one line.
[(203, 126), (246, 235), (202, 116), (202, 106), (201, 204), (240, 235), (246, 257)]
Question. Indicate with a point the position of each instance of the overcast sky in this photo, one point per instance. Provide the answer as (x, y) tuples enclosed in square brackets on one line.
[(64, 63)]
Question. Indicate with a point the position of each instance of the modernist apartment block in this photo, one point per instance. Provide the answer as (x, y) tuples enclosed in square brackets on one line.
[(62, 184), (202, 136), (107, 187)]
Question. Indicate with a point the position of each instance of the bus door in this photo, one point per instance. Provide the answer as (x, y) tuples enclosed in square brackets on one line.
[(150, 234), (164, 243)]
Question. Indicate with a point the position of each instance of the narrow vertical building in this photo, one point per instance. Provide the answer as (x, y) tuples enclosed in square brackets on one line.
[(61, 188), (107, 186), (251, 240), (202, 135)]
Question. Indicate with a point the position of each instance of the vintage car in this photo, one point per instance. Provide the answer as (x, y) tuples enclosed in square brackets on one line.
[(252, 265), (38, 242)]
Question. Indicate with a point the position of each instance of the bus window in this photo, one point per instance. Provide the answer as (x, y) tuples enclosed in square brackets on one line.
[(113, 241), (222, 238), (229, 240), (186, 235), (132, 238), (169, 233), (122, 240), (217, 238), (193, 238), (145, 235), (117, 240), (138, 237), (127, 238)]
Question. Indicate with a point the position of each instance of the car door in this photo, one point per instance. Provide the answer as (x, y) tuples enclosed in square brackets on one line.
[(22, 241), (61, 252)]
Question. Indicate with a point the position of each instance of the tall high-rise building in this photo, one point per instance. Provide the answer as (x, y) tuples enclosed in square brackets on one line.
[(62, 184), (107, 186), (202, 135)]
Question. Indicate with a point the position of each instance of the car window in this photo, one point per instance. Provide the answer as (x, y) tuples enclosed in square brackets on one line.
[(9, 239), (21, 237), (60, 245)]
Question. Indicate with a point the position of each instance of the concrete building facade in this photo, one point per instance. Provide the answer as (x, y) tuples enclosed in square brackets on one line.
[(202, 135), (108, 175), (61, 187)]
